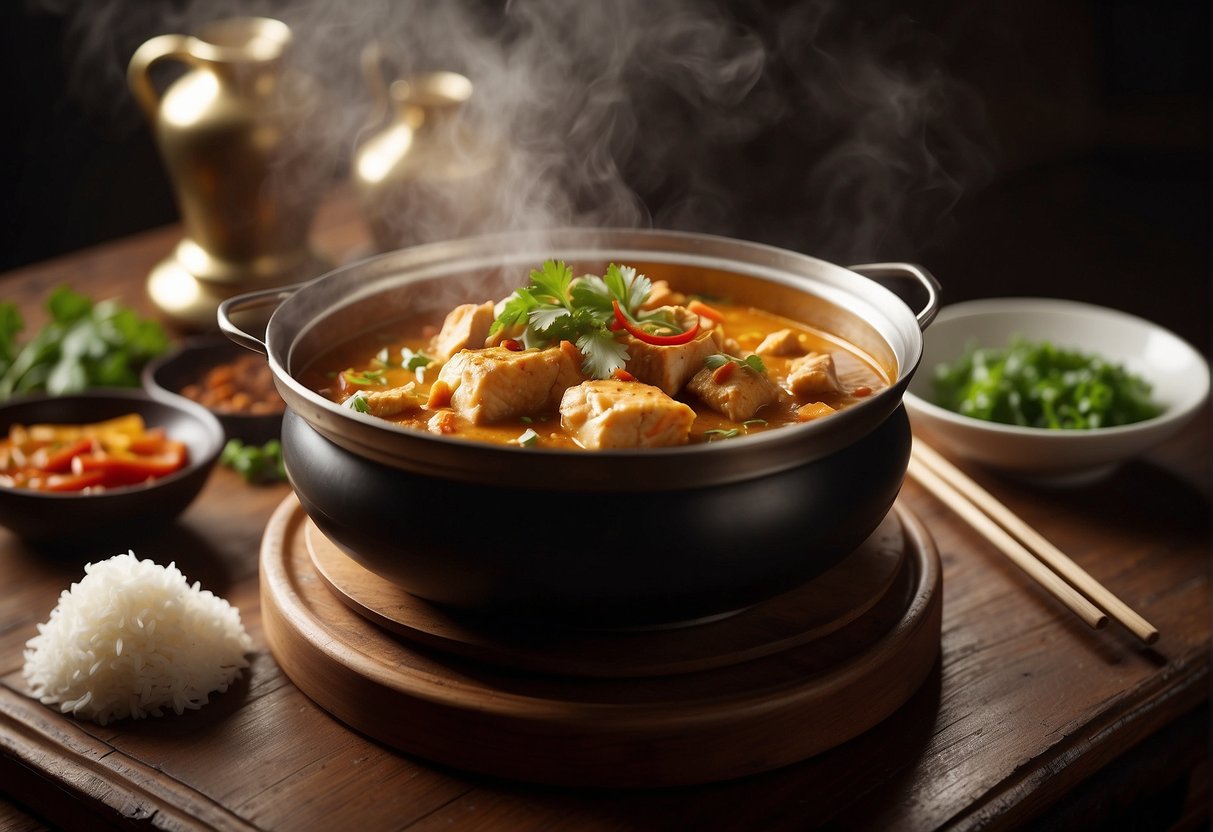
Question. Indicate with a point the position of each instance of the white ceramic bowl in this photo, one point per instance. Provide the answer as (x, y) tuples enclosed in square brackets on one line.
[(1178, 374)]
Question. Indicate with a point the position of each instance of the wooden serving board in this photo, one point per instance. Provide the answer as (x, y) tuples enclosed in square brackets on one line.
[(769, 686), (806, 614)]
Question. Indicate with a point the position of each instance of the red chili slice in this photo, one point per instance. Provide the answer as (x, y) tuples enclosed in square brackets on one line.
[(135, 469), (722, 373), (650, 338), (59, 460)]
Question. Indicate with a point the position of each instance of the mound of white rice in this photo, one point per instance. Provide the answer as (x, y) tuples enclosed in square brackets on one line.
[(132, 639)]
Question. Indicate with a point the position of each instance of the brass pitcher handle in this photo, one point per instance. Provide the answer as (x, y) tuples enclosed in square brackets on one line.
[(150, 53)]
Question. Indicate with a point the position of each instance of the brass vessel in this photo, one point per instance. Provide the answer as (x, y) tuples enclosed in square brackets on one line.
[(246, 183), (424, 174)]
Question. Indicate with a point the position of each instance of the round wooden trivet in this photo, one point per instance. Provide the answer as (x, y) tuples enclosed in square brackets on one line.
[(807, 613), (681, 728)]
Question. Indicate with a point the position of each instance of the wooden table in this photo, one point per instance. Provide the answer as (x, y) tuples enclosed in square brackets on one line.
[(1028, 715)]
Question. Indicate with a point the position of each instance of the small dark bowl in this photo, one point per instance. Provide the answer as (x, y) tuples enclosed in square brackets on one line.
[(172, 372), (113, 514)]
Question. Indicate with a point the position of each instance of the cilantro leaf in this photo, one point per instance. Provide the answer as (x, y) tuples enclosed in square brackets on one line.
[(556, 307), (719, 359), (630, 288), (602, 353), (11, 323), (84, 344), (514, 311), (551, 283), (257, 464), (545, 317)]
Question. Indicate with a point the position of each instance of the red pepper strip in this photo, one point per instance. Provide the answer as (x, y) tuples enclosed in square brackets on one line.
[(59, 461), (709, 312), (622, 375), (649, 338), (149, 442), (121, 470)]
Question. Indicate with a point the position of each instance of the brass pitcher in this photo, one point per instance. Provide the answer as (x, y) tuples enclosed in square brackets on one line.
[(229, 131), (424, 174)]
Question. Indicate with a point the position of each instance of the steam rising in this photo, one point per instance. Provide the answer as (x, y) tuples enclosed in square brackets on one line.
[(802, 126)]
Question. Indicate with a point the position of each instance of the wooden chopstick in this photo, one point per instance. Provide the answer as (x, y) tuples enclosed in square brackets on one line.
[(986, 513)]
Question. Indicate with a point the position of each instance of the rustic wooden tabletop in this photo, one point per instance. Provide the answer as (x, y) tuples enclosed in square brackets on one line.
[(1027, 716)]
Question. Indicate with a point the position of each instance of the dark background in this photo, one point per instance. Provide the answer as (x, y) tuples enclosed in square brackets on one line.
[(1092, 117)]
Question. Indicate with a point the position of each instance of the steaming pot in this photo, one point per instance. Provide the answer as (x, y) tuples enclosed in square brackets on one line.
[(605, 538)]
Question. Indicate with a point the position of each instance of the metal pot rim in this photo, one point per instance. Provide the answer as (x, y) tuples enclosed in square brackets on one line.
[(303, 308)]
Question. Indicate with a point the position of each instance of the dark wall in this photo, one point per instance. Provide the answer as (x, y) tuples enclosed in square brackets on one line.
[(1089, 130)]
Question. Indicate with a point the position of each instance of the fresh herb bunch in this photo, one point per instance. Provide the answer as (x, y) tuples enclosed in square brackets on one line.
[(85, 344), (256, 463), (555, 307), (1037, 384)]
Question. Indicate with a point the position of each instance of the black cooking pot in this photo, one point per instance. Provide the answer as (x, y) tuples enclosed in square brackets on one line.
[(603, 538)]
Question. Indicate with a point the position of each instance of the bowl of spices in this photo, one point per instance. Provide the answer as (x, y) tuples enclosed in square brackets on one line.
[(236, 385), (1052, 391)]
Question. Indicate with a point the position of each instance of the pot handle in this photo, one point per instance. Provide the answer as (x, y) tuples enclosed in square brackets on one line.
[(244, 303), (876, 271)]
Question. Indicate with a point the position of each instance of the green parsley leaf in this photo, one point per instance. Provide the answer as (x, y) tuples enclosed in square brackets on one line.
[(603, 353), (83, 345), (551, 283), (257, 464), (11, 324), (555, 307)]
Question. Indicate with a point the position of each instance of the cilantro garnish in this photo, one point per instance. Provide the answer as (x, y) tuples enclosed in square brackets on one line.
[(718, 360), (557, 307), (85, 344), (256, 463)]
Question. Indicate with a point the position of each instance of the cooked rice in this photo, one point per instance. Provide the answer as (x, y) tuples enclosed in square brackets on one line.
[(133, 639)]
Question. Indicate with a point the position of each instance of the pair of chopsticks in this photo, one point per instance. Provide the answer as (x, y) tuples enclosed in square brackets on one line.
[(1027, 548)]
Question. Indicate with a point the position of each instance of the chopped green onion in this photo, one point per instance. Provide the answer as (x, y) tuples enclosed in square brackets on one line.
[(527, 438), (1037, 384), (414, 359), (366, 377)]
